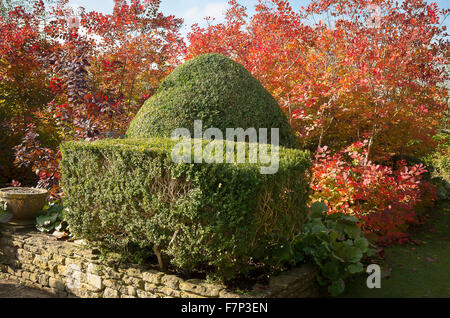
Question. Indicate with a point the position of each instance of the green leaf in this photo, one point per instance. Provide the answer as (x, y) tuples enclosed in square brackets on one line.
[(355, 268), (371, 252), (362, 243), (331, 270), (352, 230), (354, 254), (318, 209), (349, 218), (284, 253), (50, 218), (317, 226), (333, 236), (336, 288), (322, 281), (340, 249), (45, 219)]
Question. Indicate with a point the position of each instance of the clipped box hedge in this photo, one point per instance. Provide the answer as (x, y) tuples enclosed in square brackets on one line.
[(130, 196)]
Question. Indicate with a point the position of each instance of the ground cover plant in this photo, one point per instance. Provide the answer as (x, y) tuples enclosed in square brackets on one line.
[(335, 243)]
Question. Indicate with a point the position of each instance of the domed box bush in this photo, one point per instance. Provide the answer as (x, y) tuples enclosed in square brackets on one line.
[(215, 89)]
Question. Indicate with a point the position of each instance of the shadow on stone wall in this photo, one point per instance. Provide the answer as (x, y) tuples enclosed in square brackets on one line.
[(9, 289)]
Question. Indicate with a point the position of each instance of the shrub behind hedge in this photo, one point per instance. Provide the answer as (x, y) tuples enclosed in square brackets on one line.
[(222, 217)]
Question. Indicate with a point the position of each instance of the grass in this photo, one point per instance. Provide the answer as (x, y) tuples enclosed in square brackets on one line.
[(414, 270)]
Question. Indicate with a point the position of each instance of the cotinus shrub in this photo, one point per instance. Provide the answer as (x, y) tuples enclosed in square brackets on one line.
[(386, 201)]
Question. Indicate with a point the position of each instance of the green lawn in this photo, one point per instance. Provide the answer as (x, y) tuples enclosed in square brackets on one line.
[(421, 270)]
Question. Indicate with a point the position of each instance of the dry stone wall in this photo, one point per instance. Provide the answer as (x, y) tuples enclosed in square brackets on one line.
[(70, 269)]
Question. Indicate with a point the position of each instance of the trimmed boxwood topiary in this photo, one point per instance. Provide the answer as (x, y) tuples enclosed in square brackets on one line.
[(222, 217), (215, 89)]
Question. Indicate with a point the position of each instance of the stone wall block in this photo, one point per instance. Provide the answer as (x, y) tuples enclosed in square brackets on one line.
[(128, 291), (95, 282), (110, 293), (153, 277), (41, 261), (24, 255), (171, 281), (43, 280), (112, 283), (169, 292), (149, 287), (135, 282)]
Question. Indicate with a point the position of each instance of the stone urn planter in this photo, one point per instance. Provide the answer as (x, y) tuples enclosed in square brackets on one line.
[(23, 204)]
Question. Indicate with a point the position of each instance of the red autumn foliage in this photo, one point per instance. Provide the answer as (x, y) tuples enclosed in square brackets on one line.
[(45, 161), (23, 83), (355, 76), (350, 71), (82, 76), (385, 201), (341, 71)]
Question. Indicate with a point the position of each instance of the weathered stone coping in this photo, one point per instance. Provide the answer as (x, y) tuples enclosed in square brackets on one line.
[(68, 269)]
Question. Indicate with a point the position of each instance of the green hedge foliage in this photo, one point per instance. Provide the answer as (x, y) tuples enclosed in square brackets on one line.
[(129, 194), (215, 89)]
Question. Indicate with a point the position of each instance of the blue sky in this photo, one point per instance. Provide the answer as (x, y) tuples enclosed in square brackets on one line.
[(194, 11)]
